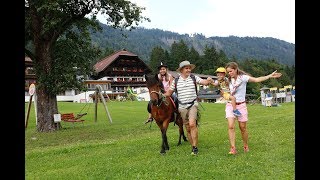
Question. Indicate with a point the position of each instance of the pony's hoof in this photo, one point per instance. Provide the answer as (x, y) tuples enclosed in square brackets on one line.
[(163, 153)]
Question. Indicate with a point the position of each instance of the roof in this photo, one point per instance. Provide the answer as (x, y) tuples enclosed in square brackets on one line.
[(264, 88), (28, 62), (105, 62), (208, 96), (27, 59)]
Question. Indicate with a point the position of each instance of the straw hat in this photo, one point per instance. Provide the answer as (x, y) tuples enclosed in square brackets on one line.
[(185, 63)]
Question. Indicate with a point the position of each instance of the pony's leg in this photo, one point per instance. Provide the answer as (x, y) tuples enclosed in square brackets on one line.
[(181, 130), (164, 139), (179, 142), (183, 135), (164, 134), (180, 125)]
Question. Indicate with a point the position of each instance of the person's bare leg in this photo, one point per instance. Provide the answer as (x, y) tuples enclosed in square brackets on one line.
[(149, 118), (244, 134), (232, 135), (231, 132), (194, 132)]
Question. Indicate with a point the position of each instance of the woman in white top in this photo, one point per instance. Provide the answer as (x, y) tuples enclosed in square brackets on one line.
[(238, 82)]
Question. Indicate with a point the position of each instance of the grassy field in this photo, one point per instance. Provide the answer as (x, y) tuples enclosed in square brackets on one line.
[(129, 149)]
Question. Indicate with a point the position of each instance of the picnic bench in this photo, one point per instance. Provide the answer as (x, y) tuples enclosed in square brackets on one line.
[(69, 117)]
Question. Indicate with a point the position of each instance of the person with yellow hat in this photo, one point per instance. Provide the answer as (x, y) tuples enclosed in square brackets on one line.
[(223, 85)]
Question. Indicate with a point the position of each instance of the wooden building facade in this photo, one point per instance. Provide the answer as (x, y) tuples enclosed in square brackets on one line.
[(122, 69)]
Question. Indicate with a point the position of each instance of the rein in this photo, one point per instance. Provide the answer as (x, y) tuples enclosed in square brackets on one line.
[(161, 97)]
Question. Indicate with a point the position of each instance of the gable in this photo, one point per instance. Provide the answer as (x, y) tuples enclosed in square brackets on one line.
[(117, 56)]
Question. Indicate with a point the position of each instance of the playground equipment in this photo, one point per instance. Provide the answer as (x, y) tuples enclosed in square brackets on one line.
[(80, 113), (97, 95), (32, 90)]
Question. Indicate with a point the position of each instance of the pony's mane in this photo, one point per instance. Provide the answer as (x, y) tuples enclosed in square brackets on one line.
[(153, 80)]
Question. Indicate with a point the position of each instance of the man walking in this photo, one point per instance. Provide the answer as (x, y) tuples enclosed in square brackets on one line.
[(186, 93)]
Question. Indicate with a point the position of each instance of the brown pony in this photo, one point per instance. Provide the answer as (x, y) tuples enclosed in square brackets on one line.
[(163, 111)]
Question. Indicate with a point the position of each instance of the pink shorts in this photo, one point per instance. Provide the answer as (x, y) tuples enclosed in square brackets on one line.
[(243, 110)]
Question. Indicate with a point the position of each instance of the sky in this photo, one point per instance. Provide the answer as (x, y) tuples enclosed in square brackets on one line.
[(252, 18)]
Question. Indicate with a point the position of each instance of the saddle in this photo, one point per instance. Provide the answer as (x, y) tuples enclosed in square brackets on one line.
[(175, 103)]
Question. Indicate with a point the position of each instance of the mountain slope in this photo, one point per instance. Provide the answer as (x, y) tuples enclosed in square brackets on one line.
[(141, 41)]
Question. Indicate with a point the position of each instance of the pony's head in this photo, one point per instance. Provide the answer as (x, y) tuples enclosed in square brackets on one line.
[(155, 87)]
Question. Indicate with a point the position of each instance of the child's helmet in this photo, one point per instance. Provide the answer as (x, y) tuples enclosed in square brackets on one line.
[(162, 65), (221, 70)]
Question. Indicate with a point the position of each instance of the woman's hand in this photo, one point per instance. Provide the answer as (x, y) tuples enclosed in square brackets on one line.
[(274, 74)]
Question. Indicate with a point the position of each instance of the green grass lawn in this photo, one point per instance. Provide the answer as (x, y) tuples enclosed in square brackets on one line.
[(129, 149)]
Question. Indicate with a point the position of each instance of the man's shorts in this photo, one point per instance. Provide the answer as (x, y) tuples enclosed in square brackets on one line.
[(190, 113), (241, 107)]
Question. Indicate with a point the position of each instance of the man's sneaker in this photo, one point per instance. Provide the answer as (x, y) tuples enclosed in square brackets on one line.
[(233, 151), (194, 151), (246, 149), (236, 112), (148, 120)]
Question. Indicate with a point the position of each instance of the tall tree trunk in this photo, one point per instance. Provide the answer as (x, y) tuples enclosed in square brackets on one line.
[(46, 107), (46, 102)]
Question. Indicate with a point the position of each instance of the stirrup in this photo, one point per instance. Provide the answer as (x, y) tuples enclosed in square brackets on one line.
[(149, 120)]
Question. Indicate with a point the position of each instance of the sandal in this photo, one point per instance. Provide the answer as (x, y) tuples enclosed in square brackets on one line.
[(233, 151), (246, 149)]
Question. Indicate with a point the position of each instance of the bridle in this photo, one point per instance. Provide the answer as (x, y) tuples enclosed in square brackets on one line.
[(162, 98)]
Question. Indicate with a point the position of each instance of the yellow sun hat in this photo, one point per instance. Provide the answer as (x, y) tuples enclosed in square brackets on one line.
[(221, 70)]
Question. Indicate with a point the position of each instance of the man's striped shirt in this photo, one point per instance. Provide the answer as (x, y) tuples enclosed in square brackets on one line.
[(186, 91)]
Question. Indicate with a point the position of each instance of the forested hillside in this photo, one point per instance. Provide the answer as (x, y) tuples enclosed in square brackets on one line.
[(141, 41)]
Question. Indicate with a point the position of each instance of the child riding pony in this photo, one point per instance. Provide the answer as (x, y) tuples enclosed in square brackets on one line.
[(163, 111)]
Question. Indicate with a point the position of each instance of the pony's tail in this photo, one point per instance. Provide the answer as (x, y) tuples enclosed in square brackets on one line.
[(198, 117)]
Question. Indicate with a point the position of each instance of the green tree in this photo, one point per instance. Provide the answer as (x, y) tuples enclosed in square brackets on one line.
[(258, 68), (223, 59), (73, 57), (48, 22), (290, 72), (194, 58), (158, 55), (210, 59), (106, 52), (167, 58), (179, 52)]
